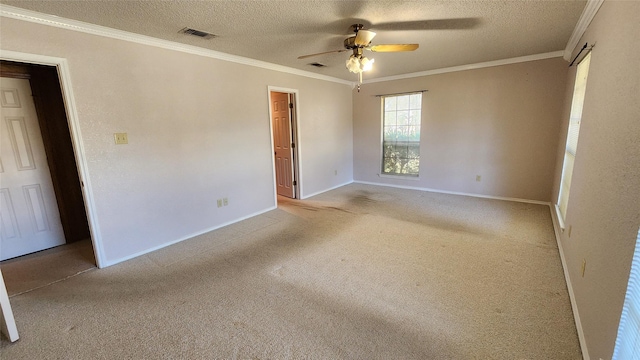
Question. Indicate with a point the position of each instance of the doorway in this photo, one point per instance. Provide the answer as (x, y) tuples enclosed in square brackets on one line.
[(42, 203), (284, 136)]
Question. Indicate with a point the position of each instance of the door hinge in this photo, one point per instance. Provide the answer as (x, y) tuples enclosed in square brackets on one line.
[(295, 183), (293, 145), (290, 105)]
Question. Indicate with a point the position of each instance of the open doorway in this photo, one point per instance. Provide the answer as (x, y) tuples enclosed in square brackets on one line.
[(41, 197), (284, 136)]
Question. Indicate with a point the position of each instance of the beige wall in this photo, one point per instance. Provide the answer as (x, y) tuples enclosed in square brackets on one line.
[(499, 122), (604, 203), (198, 131)]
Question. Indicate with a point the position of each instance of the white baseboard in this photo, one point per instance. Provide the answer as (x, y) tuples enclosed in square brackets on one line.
[(455, 193), (302, 197), (557, 229), (129, 257)]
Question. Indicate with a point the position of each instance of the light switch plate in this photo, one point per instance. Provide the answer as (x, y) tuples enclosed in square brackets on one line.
[(121, 138)]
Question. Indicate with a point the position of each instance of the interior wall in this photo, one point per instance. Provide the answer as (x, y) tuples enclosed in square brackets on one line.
[(499, 122), (198, 131), (604, 203)]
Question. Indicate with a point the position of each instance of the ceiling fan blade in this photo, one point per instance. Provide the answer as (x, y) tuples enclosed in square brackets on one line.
[(434, 24), (322, 53), (364, 37), (393, 47)]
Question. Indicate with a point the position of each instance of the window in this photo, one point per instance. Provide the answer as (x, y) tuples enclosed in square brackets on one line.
[(628, 341), (572, 135), (401, 116)]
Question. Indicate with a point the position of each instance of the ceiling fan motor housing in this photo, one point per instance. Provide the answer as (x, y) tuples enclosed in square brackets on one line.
[(350, 43)]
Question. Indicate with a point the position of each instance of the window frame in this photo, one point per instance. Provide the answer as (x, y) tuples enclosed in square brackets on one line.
[(409, 176), (571, 142)]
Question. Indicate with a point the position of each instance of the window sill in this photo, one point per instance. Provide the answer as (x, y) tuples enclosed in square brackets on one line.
[(401, 177), (559, 217)]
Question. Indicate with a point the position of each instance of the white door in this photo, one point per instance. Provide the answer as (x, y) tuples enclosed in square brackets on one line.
[(281, 121), (29, 217)]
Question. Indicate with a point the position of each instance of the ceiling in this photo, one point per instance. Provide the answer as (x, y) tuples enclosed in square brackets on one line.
[(280, 31)]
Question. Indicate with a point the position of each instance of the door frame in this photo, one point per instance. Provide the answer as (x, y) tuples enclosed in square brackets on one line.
[(295, 132), (76, 139)]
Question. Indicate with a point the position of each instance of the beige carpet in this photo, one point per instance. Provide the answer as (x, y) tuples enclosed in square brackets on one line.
[(33, 271), (361, 272)]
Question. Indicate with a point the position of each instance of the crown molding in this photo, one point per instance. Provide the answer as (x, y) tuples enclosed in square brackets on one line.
[(51, 20), (515, 60), (74, 25), (588, 14)]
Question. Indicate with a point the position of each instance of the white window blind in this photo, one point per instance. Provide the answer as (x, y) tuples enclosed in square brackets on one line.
[(628, 341), (575, 119)]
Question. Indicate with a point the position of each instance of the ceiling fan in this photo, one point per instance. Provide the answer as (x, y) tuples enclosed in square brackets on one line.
[(357, 62)]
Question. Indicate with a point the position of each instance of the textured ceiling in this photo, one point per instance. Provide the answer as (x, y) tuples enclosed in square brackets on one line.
[(279, 31)]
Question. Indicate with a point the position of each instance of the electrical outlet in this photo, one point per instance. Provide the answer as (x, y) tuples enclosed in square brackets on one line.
[(225, 201), (335, 172), (219, 202), (584, 265), (478, 178), (121, 138)]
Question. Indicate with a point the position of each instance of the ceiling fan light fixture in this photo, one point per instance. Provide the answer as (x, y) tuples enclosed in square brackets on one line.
[(353, 64), (357, 64), (367, 64)]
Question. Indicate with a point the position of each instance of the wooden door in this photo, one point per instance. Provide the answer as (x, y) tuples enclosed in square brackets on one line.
[(29, 216), (282, 140)]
